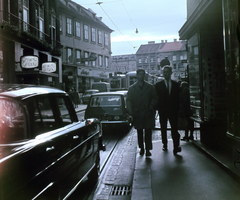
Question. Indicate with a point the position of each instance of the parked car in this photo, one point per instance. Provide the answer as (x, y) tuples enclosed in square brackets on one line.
[(45, 151), (87, 94), (109, 108), (101, 86)]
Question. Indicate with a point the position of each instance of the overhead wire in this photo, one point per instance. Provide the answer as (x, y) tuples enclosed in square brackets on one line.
[(99, 3)]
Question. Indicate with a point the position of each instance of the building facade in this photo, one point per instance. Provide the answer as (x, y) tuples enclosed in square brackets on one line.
[(124, 63), (86, 46), (30, 50), (212, 31), (150, 55)]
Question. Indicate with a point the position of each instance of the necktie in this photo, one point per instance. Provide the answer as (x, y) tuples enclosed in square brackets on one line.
[(168, 87)]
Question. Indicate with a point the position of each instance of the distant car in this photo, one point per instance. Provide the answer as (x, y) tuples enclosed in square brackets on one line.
[(101, 86), (109, 108), (45, 150), (87, 94)]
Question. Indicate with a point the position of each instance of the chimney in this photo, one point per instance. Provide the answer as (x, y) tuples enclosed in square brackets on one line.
[(162, 41), (175, 40), (151, 42), (165, 41)]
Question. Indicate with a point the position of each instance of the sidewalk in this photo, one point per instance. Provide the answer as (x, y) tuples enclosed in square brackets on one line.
[(188, 175)]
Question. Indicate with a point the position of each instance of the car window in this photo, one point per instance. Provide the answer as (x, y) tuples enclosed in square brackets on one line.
[(64, 112), (12, 121), (105, 101), (48, 113)]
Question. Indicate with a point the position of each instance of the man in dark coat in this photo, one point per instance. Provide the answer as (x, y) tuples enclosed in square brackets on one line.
[(141, 101), (168, 107)]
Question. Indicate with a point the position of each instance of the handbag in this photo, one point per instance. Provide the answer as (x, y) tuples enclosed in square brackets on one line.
[(182, 123)]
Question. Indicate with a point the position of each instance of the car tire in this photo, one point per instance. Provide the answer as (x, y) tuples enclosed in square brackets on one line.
[(94, 174)]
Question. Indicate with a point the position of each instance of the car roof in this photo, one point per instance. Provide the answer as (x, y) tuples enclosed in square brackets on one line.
[(25, 90), (92, 90), (107, 93)]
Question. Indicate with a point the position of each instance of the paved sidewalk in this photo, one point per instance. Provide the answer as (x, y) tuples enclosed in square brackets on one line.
[(188, 175)]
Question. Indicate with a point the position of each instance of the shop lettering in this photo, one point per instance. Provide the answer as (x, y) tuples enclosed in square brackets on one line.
[(29, 62), (102, 74), (84, 72)]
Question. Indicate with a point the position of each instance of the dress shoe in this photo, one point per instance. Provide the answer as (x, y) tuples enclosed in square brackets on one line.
[(184, 138), (191, 138), (141, 152), (164, 148), (175, 151), (148, 153)]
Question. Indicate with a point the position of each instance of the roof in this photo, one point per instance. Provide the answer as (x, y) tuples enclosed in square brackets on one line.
[(25, 90), (162, 47), (107, 93)]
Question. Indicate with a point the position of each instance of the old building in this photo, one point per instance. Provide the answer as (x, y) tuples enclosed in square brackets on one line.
[(86, 42), (124, 63), (150, 55), (30, 50), (212, 31)]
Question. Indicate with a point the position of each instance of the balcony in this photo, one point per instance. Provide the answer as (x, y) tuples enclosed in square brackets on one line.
[(13, 26)]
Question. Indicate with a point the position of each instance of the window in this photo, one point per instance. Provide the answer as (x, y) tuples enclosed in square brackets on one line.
[(174, 58), (69, 26), (13, 121), (69, 55), (152, 60), (78, 29), (100, 37), (100, 60), (106, 39), (40, 20), (25, 15), (93, 35), (106, 62), (146, 60), (86, 32), (139, 60), (78, 56), (86, 55), (94, 63), (105, 101), (60, 23)]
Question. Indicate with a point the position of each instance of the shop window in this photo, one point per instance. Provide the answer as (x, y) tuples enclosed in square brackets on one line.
[(194, 78), (232, 68)]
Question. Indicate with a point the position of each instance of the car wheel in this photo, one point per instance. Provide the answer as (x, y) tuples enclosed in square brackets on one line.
[(94, 174)]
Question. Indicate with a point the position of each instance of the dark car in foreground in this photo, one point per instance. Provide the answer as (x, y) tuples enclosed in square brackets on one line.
[(110, 109), (45, 152)]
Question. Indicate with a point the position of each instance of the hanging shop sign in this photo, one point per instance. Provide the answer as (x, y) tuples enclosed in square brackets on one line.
[(29, 62), (49, 67)]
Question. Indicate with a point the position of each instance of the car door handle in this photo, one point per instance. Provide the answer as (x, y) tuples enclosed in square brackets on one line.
[(75, 137), (50, 148)]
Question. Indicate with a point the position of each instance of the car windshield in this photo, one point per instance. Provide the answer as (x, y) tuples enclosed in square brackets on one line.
[(99, 101), (12, 121), (89, 92)]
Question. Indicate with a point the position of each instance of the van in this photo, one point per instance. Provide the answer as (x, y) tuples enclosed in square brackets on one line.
[(101, 86)]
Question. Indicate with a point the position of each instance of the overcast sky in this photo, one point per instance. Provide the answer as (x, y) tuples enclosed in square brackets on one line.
[(155, 20)]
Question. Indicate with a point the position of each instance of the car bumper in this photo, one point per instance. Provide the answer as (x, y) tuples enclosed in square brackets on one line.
[(114, 122)]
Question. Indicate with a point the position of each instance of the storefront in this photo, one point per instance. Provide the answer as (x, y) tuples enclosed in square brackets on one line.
[(88, 76), (206, 69), (231, 17)]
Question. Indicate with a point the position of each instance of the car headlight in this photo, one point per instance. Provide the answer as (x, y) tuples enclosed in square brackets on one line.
[(116, 117)]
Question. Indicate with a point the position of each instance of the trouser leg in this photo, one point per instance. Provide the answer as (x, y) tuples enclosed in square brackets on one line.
[(140, 138), (148, 139), (174, 131), (163, 123)]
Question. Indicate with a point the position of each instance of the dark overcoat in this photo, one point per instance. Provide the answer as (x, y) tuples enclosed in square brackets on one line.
[(141, 104)]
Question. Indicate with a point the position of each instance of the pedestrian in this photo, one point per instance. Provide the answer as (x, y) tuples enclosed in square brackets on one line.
[(141, 101), (185, 111), (168, 107)]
